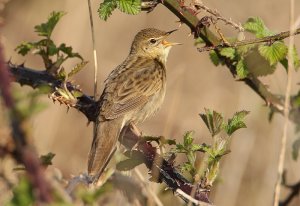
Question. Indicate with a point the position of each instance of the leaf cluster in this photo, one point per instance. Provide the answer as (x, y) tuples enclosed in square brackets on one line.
[(127, 6), (53, 55), (259, 60)]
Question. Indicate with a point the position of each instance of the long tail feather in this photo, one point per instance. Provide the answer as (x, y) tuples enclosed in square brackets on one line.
[(103, 146)]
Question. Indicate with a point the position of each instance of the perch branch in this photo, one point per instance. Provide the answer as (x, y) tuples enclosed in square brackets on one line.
[(294, 191), (188, 17), (131, 139), (22, 152)]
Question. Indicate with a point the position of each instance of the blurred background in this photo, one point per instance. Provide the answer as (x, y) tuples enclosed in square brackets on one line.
[(248, 173)]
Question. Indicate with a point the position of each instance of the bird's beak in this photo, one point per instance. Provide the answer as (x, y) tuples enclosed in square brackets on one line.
[(166, 43), (170, 32)]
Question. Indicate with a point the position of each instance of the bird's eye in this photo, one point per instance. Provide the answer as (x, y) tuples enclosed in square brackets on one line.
[(152, 41)]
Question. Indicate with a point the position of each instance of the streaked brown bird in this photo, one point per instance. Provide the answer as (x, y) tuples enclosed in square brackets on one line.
[(133, 91)]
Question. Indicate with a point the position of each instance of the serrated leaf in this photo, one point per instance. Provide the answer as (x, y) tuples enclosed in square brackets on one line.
[(24, 48), (241, 69), (296, 59), (244, 50), (68, 50), (129, 6), (295, 149), (236, 122), (135, 159), (214, 58), (180, 148), (46, 29), (47, 159), (213, 120), (128, 164), (188, 138), (199, 147), (258, 65), (78, 67), (187, 167), (228, 52), (256, 26), (106, 8), (274, 53)]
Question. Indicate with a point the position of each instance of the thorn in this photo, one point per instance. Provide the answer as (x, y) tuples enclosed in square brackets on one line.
[(88, 123)]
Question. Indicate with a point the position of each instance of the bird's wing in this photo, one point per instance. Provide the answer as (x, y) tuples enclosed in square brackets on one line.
[(132, 88)]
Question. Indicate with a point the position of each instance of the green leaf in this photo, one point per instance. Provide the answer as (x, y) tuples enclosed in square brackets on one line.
[(69, 51), (296, 148), (228, 52), (23, 194), (128, 164), (188, 138), (180, 148), (214, 58), (24, 48), (47, 159), (274, 53), (135, 159), (129, 6), (90, 197), (296, 59), (284, 61), (241, 69), (106, 8), (45, 29), (213, 120), (78, 67), (199, 40), (188, 167), (236, 122), (62, 74), (199, 147), (256, 26), (257, 65)]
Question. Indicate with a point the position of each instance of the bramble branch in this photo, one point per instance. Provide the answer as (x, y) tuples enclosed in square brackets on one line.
[(22, 150), (199, 28), (132, 138)]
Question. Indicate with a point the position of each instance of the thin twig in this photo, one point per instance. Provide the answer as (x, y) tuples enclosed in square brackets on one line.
[(150, 191), (268, 39), (191, 199), (94, 49), (198, 4), (286, 107)]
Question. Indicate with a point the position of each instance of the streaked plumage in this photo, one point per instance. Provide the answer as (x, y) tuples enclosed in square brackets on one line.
[(133, 91)]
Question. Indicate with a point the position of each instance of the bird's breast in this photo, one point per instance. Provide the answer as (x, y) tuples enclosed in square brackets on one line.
[(151, 107)]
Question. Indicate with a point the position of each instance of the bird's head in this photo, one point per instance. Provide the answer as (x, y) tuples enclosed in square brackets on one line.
[(152, 43)]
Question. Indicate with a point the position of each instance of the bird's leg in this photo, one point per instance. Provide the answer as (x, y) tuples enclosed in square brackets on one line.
[(134, 129)]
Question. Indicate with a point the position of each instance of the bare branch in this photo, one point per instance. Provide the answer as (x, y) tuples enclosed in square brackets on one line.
[(23, 152)]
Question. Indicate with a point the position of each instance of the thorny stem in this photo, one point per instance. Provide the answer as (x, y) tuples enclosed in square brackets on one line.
[(23, 152), (199, 29), (166, 171)]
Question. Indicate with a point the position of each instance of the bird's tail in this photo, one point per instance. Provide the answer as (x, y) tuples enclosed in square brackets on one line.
[(103, 146)]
